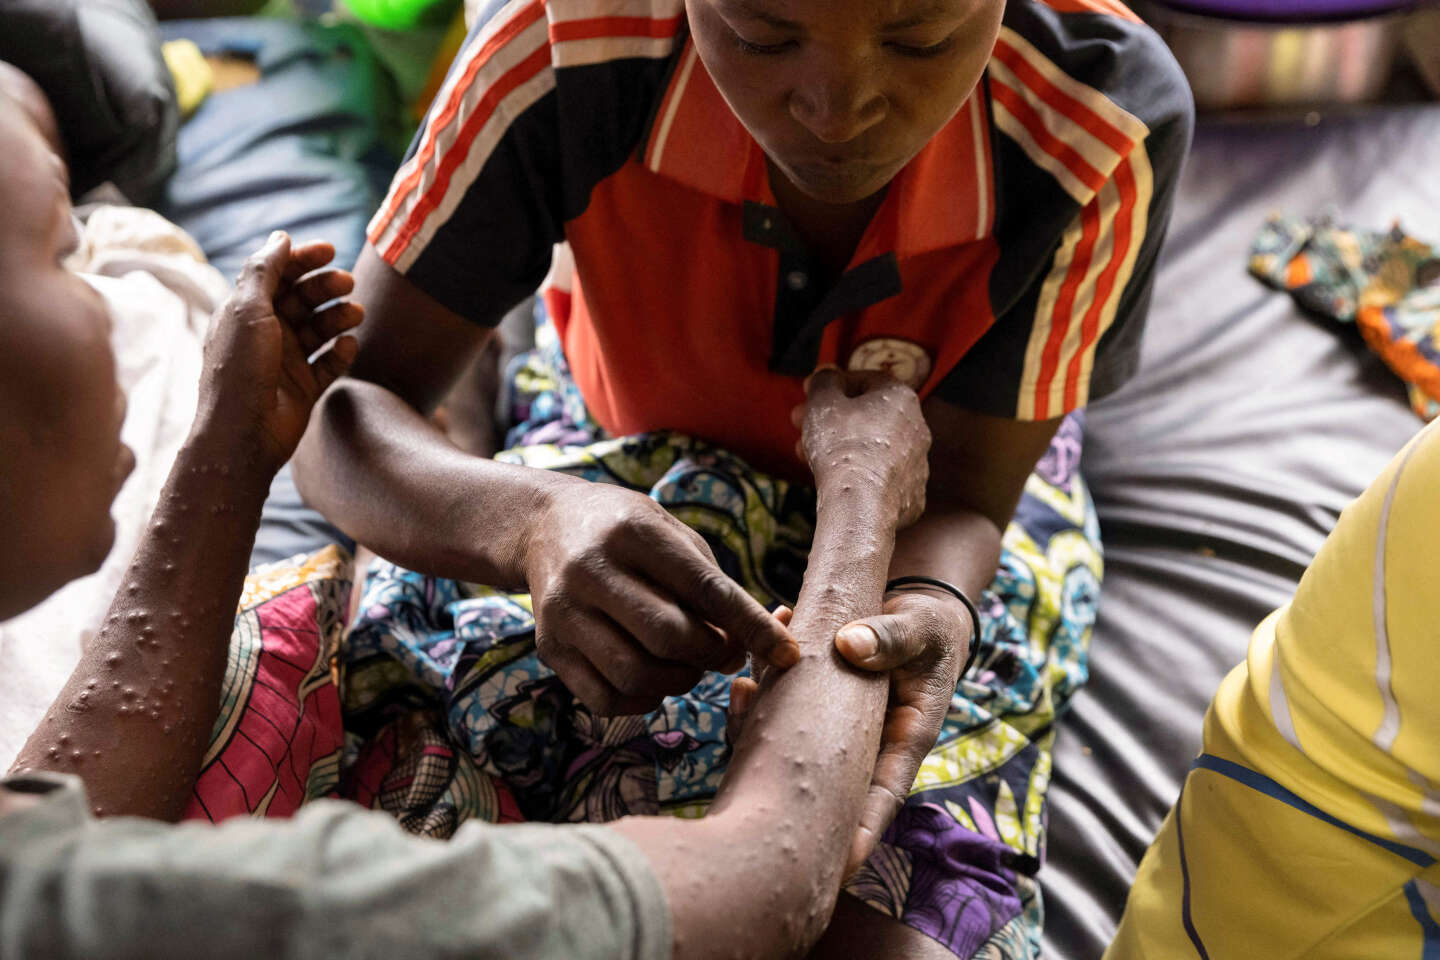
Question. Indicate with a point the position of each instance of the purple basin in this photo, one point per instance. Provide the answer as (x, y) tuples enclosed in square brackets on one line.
[(1290, 11)]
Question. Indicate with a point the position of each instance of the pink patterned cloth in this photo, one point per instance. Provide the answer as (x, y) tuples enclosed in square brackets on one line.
[(278, 739)]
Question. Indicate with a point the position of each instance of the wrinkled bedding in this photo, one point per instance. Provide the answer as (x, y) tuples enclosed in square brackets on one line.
[(1217, 472)]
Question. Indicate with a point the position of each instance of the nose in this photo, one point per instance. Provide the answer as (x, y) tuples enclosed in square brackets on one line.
[(838, 104)]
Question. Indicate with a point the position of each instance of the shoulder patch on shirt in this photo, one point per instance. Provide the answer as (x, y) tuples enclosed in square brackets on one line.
[(904, 360)]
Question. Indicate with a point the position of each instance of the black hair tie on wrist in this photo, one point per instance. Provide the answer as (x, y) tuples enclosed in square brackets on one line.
[(917, 581)]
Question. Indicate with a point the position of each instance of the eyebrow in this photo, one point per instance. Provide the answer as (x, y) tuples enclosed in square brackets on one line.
[(752, 11), (930, 14)]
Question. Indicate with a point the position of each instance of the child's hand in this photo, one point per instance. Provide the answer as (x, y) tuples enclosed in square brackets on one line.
[(259, 384), (745, 690), (865, 427)]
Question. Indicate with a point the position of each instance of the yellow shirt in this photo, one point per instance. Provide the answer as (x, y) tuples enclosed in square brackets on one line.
[(1309, 826)]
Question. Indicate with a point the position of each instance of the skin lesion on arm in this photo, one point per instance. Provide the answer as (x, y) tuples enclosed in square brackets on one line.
[(780, 830)]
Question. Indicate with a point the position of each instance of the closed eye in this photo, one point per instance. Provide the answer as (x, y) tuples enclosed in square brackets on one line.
[(761, 49), (934, 50)]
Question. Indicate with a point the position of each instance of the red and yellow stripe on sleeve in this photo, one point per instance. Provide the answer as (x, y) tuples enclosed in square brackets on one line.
[(502, 71), (1096, 152)]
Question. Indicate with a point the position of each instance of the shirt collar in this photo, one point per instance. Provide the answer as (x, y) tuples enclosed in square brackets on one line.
[(942, 198)]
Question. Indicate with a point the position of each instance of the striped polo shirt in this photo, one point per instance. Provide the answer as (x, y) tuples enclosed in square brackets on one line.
[(1007, 270)]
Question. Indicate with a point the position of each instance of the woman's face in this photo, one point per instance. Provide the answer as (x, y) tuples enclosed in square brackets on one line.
[(841, 94), (61, 459)]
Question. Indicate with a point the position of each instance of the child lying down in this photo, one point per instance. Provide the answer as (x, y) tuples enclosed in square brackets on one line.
[(126, 735)]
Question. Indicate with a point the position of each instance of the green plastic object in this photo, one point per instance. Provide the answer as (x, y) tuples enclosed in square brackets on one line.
[(393, 14)]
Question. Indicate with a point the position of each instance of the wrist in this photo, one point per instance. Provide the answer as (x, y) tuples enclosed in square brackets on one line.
[(541, 491), (862, 488), (230, 471)]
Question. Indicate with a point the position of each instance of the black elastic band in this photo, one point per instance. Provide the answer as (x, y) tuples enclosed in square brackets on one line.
[(899, 582)]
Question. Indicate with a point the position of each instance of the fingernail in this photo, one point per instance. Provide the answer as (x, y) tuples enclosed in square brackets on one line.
[(861, 639), (785, 656), (276, 236)]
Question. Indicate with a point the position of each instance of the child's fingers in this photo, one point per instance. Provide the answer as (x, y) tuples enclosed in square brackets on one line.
[(323, 325), (306, 257), (301, 297), (328, 367), (742, 695)]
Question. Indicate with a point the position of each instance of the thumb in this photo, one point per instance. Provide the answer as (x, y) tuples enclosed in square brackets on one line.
[(261, 275), (881, 643)]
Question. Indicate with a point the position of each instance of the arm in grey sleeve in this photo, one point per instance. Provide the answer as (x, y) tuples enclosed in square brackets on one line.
[(336, 881)]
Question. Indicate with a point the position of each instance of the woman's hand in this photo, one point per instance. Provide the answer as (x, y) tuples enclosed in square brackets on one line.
[(259, 382), (630, 605), (866, 427), (922, 638)]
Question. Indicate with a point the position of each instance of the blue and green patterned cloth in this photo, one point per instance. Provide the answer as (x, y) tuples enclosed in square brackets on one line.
[(959, 861)]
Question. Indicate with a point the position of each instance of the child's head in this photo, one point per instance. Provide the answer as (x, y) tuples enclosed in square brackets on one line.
[(841, 94), (61, 459)]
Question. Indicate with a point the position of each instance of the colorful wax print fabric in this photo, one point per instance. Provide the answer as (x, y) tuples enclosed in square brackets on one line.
[(959, 861), (449, 714), (1386, 283)]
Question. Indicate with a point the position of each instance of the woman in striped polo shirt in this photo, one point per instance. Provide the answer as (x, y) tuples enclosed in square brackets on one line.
[(719, 196)]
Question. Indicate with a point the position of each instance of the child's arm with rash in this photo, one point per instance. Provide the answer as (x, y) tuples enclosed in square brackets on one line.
[(759, 875), (134, 719)]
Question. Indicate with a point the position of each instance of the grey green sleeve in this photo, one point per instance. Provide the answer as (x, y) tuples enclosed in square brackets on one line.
[(335, 882)]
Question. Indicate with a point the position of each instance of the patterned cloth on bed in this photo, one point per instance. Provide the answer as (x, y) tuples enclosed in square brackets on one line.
[(450, 715), (1388, 284)]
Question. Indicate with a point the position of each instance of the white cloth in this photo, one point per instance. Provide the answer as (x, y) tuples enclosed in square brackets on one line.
[(161, 293)]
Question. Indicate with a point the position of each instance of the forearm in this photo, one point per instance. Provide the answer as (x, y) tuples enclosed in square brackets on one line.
[(950, 542), (134, 719), (787, 812), (387, 477)]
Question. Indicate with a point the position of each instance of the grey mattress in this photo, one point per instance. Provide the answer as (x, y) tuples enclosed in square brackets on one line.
[(1217, 473)]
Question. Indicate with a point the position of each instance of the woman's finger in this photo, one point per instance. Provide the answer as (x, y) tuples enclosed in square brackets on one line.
[(662, 626), (697, 582)]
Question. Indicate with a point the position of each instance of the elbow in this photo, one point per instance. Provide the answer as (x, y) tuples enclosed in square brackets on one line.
[(799, 913), (814, 909), (335, 415)]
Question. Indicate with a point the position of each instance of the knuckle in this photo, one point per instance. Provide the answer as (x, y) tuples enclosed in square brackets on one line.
[(629, 673), (550, 650), (628, 528), (711, 588), (590, 565), (660, 625)]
